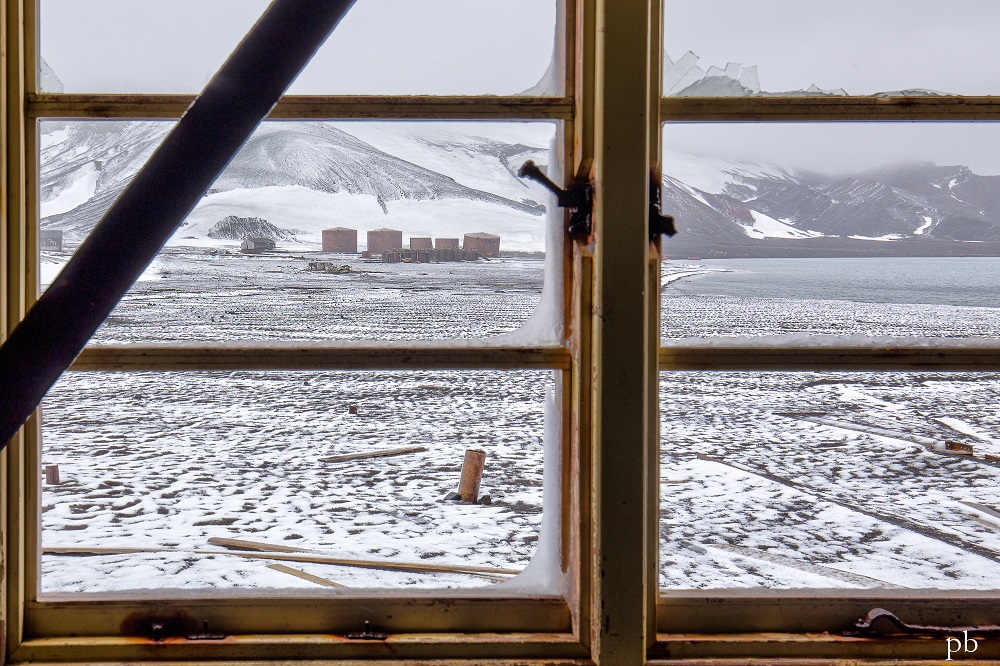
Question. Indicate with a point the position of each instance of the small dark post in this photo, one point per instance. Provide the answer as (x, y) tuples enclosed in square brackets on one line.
[(353, 409), (472, 475), (52, 475)]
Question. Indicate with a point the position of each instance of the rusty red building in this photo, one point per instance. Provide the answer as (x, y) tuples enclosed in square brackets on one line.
[(421, 243), (340, 239), (486, 244), (383, 240), (446, 243)]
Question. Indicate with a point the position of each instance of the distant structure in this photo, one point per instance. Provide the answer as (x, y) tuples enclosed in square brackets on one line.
[(257, 245), (485, 244), (51, 239), (340, 239), (381, 241), (421, 243), (430, 256), (446, 243)]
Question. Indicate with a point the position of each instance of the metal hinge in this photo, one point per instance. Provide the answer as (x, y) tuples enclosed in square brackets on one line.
[(659, 224), (577, 197), (890, 624)]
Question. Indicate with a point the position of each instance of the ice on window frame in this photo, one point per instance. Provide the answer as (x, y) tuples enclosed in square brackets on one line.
[(553, 81), (544, 574), (546, 325), (48, 80)]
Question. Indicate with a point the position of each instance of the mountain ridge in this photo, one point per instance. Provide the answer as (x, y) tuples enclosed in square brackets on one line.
[(446, 180)]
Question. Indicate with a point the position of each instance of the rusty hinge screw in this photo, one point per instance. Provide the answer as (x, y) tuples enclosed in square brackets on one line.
[(205, 634), (368, 634)]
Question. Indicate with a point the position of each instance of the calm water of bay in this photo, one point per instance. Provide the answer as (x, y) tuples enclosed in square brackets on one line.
[(962, 281)]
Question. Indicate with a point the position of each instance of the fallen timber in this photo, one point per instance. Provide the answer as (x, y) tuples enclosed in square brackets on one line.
[(412, 567), (892, 519), (373, 454), (304, 575)]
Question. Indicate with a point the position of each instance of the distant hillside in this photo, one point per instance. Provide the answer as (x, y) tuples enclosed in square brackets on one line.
[(447, 179), (307, 176), (911, 208)]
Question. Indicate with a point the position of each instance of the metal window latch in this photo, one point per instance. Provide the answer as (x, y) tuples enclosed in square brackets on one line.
[(369, 633), (577, 197), (890, 624), (658, 222)]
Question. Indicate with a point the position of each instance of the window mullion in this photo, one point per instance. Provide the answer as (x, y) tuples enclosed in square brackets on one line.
[(819, 109), (621, 354), (310, 107), (310, 356), (686, 356), (19, 274)]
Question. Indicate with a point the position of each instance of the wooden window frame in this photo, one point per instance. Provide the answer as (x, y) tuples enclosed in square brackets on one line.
[(607, 404), (803, 626), (612, 611)]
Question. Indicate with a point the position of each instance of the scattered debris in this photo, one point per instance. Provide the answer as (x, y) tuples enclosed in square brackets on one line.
[(956, 540), (329, 267), (278, 554), (982, 507), (252, 545), (304, 575), (415, 567), (373, 454), (958, 447), (866, 582), (933, 445)]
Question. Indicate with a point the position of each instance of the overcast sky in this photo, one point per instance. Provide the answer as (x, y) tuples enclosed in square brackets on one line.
[(504, 47), (381, 47), (863, 46)]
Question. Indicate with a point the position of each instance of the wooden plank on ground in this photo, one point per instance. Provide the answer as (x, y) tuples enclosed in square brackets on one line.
[(304, 575), (373, 454), (982, 507), (253, 545), (416, 567)]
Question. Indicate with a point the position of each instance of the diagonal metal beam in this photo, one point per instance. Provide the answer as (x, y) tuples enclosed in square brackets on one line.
[(150, 209)]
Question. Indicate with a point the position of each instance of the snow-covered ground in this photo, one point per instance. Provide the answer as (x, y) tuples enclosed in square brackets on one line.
[(787, 480), (166, 461), (780, 480)]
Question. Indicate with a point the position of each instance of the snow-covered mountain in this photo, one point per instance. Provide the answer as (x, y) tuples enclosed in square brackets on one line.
[(303, 177), (444, 180), (737, 208)]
